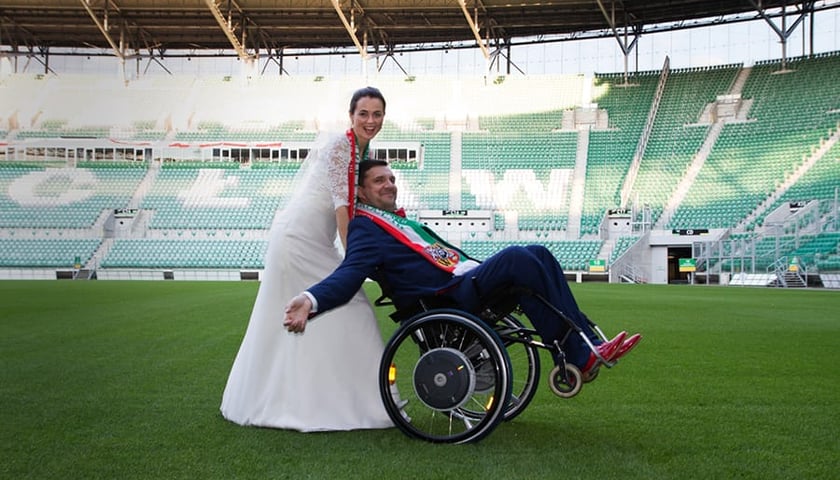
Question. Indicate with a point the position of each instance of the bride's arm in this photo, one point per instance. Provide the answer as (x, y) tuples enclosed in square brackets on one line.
[(337, 162), (342, 218)]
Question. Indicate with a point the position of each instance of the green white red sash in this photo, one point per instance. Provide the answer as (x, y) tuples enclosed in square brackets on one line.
[(351, 171), (420, 239)]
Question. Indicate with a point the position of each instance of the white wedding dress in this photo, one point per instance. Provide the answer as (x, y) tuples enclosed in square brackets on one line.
[(325, 378)]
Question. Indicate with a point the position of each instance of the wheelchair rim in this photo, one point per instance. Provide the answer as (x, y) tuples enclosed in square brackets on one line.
[(479, 412)]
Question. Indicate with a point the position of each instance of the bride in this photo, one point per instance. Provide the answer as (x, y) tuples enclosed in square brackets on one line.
[(325, 379)]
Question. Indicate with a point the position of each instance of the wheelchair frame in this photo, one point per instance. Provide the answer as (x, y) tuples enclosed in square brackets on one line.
[(450, 376)]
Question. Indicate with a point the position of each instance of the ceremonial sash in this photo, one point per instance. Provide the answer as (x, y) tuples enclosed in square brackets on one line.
[(418, 238), (351, 172)]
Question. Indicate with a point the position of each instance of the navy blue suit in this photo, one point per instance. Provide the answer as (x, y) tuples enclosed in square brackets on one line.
[(411, 277)]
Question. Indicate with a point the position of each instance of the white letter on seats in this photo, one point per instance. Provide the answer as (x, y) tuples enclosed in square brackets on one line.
[(53, 187), (204, 192)]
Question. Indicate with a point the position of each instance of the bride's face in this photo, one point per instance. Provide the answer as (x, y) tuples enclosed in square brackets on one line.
[(367, 118)]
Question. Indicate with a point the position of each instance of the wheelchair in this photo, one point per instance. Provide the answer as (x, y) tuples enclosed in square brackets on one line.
[(451, 376)]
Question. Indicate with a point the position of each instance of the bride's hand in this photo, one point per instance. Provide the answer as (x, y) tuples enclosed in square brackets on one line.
[(297, 313)]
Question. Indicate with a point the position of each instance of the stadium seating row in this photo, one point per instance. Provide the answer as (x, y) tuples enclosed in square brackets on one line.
[(515, 162)]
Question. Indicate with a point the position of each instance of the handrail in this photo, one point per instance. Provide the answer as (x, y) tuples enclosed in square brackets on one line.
[(643, 140)]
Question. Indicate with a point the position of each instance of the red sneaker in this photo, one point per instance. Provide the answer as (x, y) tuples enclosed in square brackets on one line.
[(626, 346), (606, 350)]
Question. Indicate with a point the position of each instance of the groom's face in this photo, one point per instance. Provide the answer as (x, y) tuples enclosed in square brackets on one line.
[(379, 188)]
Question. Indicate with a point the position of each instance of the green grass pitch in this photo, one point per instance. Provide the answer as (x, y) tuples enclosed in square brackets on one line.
[(123, 380)]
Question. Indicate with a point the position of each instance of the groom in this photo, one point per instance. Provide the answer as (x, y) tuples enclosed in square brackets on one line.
[(416, 263)]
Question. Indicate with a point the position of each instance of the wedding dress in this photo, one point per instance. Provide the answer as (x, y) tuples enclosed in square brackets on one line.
[(326, 377)]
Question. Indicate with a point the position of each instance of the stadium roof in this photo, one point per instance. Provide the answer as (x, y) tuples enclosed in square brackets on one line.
[(131, 27)]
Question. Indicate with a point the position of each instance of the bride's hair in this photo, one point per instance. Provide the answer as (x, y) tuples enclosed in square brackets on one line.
[(372, 92)]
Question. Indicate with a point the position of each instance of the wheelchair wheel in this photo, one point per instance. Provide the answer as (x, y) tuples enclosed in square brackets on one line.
[(524, 362), (566, 387), (428, 380)]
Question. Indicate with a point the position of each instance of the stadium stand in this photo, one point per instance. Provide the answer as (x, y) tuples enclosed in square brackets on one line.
[(817, 183), (69, 198), (41, 252), (679, 131), (573, 255), (202, 166), (216, 196), (426, 187), (785, 125), (192, 254), (622, 244), (611, 151)]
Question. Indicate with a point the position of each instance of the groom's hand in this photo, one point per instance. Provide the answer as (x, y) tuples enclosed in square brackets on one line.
[(297, 313)]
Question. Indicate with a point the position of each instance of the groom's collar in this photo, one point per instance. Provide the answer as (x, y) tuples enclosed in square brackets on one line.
[(399, 212)]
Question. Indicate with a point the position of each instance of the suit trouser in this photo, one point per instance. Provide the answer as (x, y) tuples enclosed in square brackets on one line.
[(536, 269)]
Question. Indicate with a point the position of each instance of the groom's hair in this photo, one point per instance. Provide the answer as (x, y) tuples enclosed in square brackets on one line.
[(366, 165)]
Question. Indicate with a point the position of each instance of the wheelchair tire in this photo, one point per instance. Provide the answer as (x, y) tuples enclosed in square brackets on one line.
[(428, 380), (524, 362), (565, 388)]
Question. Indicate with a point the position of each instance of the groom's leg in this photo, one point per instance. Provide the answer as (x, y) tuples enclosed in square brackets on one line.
[(529, 267)]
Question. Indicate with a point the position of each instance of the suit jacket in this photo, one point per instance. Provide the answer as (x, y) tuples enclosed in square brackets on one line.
[(373, 253)]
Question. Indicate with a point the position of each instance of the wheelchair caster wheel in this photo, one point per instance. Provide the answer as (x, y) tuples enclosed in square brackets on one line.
[(568, 385)]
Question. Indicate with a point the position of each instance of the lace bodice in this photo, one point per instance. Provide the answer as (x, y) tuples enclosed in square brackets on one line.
[(334, 156)]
